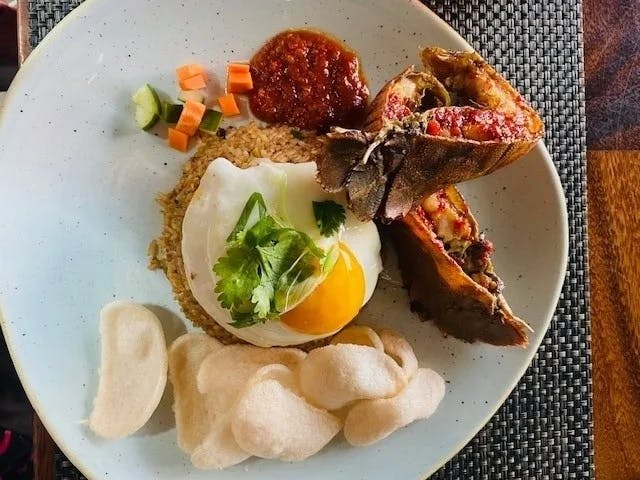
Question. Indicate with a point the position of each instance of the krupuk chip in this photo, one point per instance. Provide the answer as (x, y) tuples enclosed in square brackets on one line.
[(225, 372), (194, 416), (370, 421), (335, 375), (133, 369), (271, 421)]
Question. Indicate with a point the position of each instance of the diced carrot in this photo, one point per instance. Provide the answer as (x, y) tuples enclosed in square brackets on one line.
[(228, 105), (189, 70), (239, 82), (193, 83), (178, 140), (190, 118), (238, 68)]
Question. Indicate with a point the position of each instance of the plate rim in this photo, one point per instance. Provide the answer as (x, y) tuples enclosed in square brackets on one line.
[(540, 148)]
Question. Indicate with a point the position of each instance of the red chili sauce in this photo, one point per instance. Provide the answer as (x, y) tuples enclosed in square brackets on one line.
[(309, 81), (476, 256), (438, 206), (477, 124), (398, 107)]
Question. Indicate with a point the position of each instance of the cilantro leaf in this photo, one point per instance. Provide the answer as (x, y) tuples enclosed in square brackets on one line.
[(255, 200), (330, 216), (238, 275), (261, 298), (246, 319), (259, 233), (265, 265)]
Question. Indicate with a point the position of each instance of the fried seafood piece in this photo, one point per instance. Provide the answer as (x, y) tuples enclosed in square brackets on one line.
[(457, 120), (446, 266), (472, 81), (403, 95)]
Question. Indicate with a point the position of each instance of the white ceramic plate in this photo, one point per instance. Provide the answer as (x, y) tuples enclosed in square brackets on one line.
[(77, 212)]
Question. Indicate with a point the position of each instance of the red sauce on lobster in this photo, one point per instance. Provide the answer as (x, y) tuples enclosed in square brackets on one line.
[(477, 124)]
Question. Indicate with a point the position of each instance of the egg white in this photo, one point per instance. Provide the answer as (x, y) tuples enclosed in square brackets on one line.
[(288, 189)]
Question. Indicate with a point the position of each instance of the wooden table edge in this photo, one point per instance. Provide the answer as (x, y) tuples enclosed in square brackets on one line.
[(43, 445), (613, 202), (24, 45)]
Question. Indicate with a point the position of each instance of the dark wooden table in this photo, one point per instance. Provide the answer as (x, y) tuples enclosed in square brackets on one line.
[(612, 74), (612, 68)]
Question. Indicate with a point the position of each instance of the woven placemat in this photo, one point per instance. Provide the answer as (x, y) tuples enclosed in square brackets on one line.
[(544, 430)]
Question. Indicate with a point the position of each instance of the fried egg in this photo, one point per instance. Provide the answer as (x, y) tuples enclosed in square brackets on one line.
[(290, 188)]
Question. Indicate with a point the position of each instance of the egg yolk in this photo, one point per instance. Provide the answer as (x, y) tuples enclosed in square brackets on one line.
[(333, 303)]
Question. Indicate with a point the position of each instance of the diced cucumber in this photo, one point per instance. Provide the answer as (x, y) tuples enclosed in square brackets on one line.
[(193, 95), (171, 112), (147, 97), (145, 118), (210, 122), (147, 106)]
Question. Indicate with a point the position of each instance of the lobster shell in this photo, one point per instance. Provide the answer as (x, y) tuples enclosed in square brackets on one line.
[(433, 162), (406, 165), (402, 95), (394, 163), (428, 162), (441, 290), (472, 81)]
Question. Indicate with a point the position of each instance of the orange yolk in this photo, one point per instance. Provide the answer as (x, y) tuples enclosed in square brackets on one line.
[(333, 303)]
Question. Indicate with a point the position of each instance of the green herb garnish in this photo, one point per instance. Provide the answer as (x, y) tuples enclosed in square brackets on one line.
[(266, 266), (330, 216), (297, 134)]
